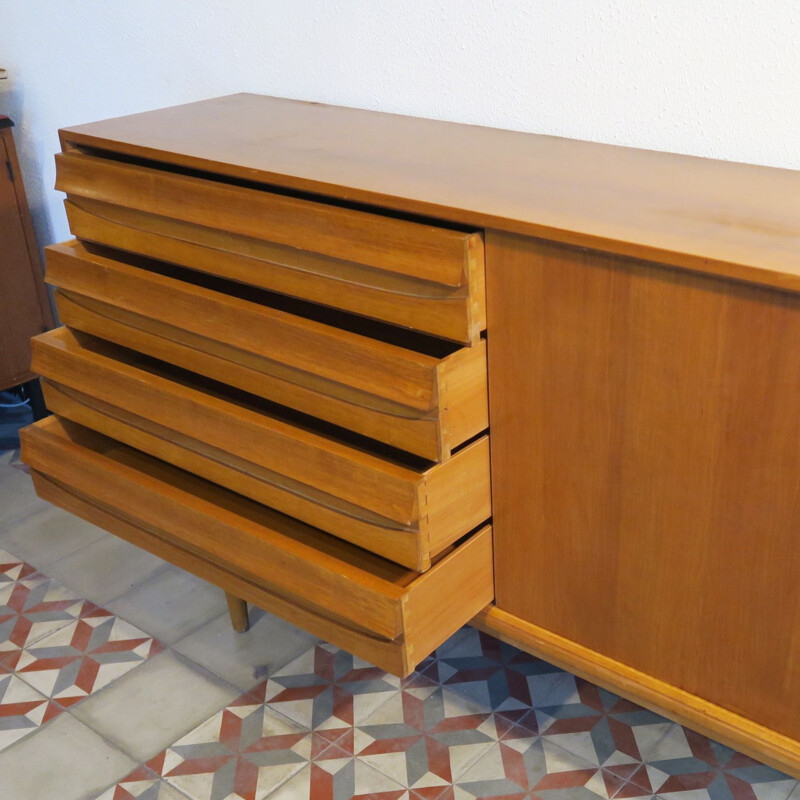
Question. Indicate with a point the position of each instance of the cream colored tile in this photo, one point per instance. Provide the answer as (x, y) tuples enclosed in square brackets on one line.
[(244, 659), (64, 760), (17, 498), (105, 569), (48, 536), (171, 604), (154, 704)]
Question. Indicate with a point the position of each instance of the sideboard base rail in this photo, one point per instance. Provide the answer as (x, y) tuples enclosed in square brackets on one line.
[(711, 720)]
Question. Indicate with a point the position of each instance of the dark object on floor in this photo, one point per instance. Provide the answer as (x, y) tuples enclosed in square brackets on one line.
[(15, 413)]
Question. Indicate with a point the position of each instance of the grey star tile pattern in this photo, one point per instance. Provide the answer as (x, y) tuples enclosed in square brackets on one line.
[(246, 750), (32, 605), (327, 689), (425, 736), (82, 657), (141, 784), (22, 710), (533, 768)]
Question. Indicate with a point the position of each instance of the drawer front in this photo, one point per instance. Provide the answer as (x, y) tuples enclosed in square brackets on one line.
[(113, 390), (387, 371), (337, 590), (409, 248), (451, 312), (425, 400)]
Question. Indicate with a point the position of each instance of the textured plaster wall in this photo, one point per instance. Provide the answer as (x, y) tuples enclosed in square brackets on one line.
[(716, 78)]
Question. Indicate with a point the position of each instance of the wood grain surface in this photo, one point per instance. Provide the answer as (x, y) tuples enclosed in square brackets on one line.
[(431, 436), (24, 305), (646, 469), (407, 247), (327, 577), (385, 370), (714, 216), (456, 313)]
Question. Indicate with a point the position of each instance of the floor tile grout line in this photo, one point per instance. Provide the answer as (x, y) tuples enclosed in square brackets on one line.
[(654, 746), (77, 550), (7, 527), (171, 786), (180, 657), (80, 722)]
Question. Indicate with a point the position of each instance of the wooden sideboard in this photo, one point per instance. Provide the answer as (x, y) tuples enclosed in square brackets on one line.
[(381, 374), (24, 305)]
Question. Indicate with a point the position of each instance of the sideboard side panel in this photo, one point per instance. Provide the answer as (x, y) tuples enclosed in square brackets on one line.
[(646, 468)]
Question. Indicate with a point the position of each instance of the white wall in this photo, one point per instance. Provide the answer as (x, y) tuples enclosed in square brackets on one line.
[(716, 78)]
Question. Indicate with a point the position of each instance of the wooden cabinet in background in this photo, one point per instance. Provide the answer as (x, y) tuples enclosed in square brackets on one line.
[(24, 305)]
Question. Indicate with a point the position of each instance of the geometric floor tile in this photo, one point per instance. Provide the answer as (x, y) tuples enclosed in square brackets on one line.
[(424, 737), (686, 764), (141, 784), (533, 768), (13, 568), (342, 779), (31, 604), (601, 727), (328, 688), (63, 760), (244, 751), (82, 657), (495, 674), (243, 659), (22, 710)]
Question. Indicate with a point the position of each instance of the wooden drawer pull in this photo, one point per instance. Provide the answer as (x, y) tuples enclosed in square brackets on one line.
[(62, 489), (376, 404), (377, 281), (296, 488)]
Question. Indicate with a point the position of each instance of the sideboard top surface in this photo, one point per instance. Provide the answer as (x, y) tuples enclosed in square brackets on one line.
[(737, 220)]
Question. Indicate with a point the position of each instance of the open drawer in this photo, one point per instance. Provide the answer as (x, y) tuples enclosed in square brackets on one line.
[(391, 503), (416, 393), (410, 272), (384, 613)]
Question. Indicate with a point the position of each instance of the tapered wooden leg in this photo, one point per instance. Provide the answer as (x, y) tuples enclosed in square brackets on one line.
[(237, 608)]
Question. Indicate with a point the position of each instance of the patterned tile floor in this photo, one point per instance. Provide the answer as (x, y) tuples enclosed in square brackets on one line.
[(102, 696)]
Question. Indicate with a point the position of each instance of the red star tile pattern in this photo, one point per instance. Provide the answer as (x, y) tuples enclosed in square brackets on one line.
[(532, 769), (141, 784), (492, 673), (83, 656), (31, 606), (342, 779), (244, 752), (685, 763), (599, 726), (424, 736), (327, 688), (22, 710)]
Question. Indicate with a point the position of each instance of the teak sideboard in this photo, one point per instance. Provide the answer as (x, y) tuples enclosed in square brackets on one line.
[(383, 376)]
